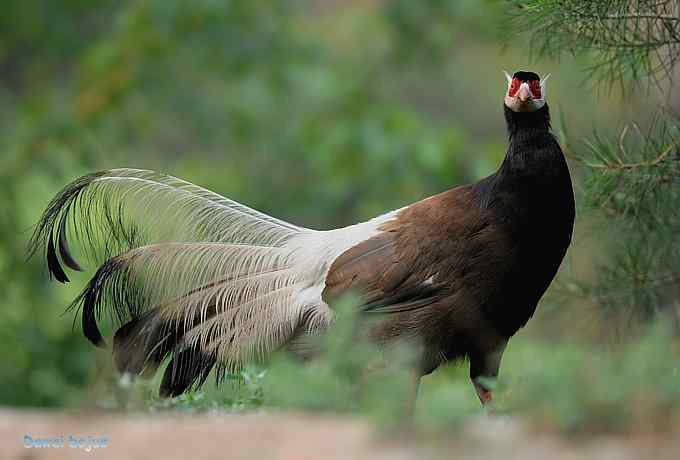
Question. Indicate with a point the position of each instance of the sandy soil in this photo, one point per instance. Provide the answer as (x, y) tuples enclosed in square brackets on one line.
[(298, 437)]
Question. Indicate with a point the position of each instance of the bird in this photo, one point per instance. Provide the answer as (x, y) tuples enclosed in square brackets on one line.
[(207, 284)]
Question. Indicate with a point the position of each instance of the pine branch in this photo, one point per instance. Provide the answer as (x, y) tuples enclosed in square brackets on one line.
[(633, 180), (638, 38), (619, 165)]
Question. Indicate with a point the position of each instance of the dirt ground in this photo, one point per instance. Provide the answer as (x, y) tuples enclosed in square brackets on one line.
[(297, 437)]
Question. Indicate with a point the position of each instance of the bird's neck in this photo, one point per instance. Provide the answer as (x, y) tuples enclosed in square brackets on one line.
[(531, 198), (532, 151), (534, 165), (525, 127)]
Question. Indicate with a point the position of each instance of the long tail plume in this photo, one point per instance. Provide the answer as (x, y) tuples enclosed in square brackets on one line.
[(184, 272)]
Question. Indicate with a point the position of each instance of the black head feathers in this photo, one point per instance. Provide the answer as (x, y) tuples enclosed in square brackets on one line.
[(526, 76)]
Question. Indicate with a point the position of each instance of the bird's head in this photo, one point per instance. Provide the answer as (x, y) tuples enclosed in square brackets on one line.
[(526, 91)]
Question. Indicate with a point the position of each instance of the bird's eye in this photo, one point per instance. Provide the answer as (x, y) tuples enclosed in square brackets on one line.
[(535, 87), (514, 87)]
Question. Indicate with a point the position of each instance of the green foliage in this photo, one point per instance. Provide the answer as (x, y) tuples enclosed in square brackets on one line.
[(426, 31), (554, 386), (630, 39), (633, 180), (631, 196), (350, 374), (582, 389)]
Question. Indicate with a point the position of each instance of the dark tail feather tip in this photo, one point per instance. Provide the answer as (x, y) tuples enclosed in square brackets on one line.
[(188, 369), (90, 328), (53, 264), (64, 249)]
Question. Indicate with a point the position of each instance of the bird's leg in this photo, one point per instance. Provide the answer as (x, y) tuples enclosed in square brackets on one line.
[(484, 370), (485, 395), (412, 397)]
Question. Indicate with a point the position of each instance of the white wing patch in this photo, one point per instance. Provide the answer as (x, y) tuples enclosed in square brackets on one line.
[(314, 253)]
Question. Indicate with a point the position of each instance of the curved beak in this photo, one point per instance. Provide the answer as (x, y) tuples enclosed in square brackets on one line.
[(524, 93)]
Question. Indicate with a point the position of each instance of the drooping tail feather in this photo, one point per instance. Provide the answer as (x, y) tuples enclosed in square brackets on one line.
[(214, 277), (112, 211)]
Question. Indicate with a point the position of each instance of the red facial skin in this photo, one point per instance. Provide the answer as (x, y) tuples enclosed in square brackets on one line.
[(514, 87), (534, 86)]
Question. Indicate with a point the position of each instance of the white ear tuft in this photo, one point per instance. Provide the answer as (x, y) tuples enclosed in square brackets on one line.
[(507, 76), (543, 85)]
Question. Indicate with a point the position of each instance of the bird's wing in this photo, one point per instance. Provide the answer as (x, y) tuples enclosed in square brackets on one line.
[(384, 273), (409, 261)]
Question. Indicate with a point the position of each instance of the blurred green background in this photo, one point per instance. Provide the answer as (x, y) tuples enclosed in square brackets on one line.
[(321, 112)]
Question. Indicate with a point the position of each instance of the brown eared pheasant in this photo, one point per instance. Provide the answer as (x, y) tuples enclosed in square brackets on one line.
[(192, 276)]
